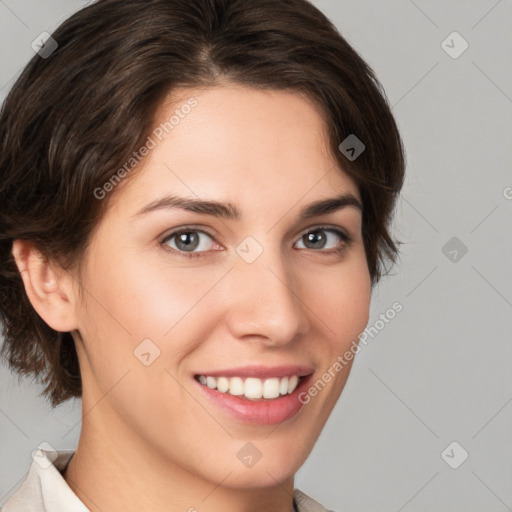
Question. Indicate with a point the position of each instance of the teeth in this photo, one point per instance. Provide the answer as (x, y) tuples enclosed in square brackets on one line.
[(271, 388), (222, 384), (236, 386), (252, 387), (283, 386), (292, 383)]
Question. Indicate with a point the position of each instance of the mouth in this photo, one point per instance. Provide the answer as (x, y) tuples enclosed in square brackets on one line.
[(257, 396), (252, 388)]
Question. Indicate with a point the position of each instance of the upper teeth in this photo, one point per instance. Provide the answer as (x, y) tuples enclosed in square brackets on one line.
[(252, 387)]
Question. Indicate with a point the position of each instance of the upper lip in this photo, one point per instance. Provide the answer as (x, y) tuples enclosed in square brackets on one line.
[(262, 372)]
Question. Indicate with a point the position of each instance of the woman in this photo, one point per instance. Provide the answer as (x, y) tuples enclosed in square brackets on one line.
[(196, 199)]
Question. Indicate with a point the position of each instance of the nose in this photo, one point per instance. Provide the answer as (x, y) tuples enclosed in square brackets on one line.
[(265, 302)]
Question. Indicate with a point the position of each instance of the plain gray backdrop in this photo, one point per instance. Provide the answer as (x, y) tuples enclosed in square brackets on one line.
[(440, 371)]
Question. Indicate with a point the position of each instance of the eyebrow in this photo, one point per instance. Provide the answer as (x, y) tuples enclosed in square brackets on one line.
[(230, 211)]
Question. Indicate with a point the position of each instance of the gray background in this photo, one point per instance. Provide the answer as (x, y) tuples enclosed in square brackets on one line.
[(440, 370)]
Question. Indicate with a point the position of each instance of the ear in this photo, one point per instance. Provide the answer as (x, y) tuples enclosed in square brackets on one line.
[(48, 287)]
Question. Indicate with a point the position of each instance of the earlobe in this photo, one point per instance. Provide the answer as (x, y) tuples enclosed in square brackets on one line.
[(48, 287)]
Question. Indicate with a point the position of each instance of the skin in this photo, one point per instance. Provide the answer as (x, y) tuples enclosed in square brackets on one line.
[(150, 440)]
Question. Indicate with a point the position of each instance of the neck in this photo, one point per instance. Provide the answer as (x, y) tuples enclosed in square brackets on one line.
[(107, 477)]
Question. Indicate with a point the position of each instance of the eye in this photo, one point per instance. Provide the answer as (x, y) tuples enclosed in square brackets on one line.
[(323, 238), (192, 242), (188, 241)]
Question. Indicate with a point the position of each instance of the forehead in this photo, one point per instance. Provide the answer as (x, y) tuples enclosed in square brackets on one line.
[(258, 148)]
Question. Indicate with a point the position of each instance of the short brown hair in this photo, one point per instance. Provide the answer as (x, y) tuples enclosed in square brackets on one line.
[(76, 116)]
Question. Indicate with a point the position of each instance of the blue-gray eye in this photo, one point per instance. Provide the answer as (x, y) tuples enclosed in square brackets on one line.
[(193, 242), (188, 240), (319, 238)]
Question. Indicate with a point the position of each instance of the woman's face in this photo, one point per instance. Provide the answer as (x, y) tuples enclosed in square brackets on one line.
[(273, 292)]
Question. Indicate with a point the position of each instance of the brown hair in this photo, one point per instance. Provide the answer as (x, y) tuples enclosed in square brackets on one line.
[(73, 118)]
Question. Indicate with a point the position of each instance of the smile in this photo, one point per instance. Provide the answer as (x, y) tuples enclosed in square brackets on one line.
[(251, 387), (256, 395)]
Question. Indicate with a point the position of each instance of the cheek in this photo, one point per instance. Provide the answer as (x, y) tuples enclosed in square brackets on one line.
[(342, 306), (342, 302), (130, 300)]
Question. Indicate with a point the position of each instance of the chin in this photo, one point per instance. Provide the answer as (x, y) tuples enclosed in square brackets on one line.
[(264, 477)]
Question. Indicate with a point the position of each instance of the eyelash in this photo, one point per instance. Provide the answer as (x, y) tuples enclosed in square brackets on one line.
[(346, 239)]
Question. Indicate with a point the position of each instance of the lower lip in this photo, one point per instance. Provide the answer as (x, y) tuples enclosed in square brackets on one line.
[(260, 412)]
